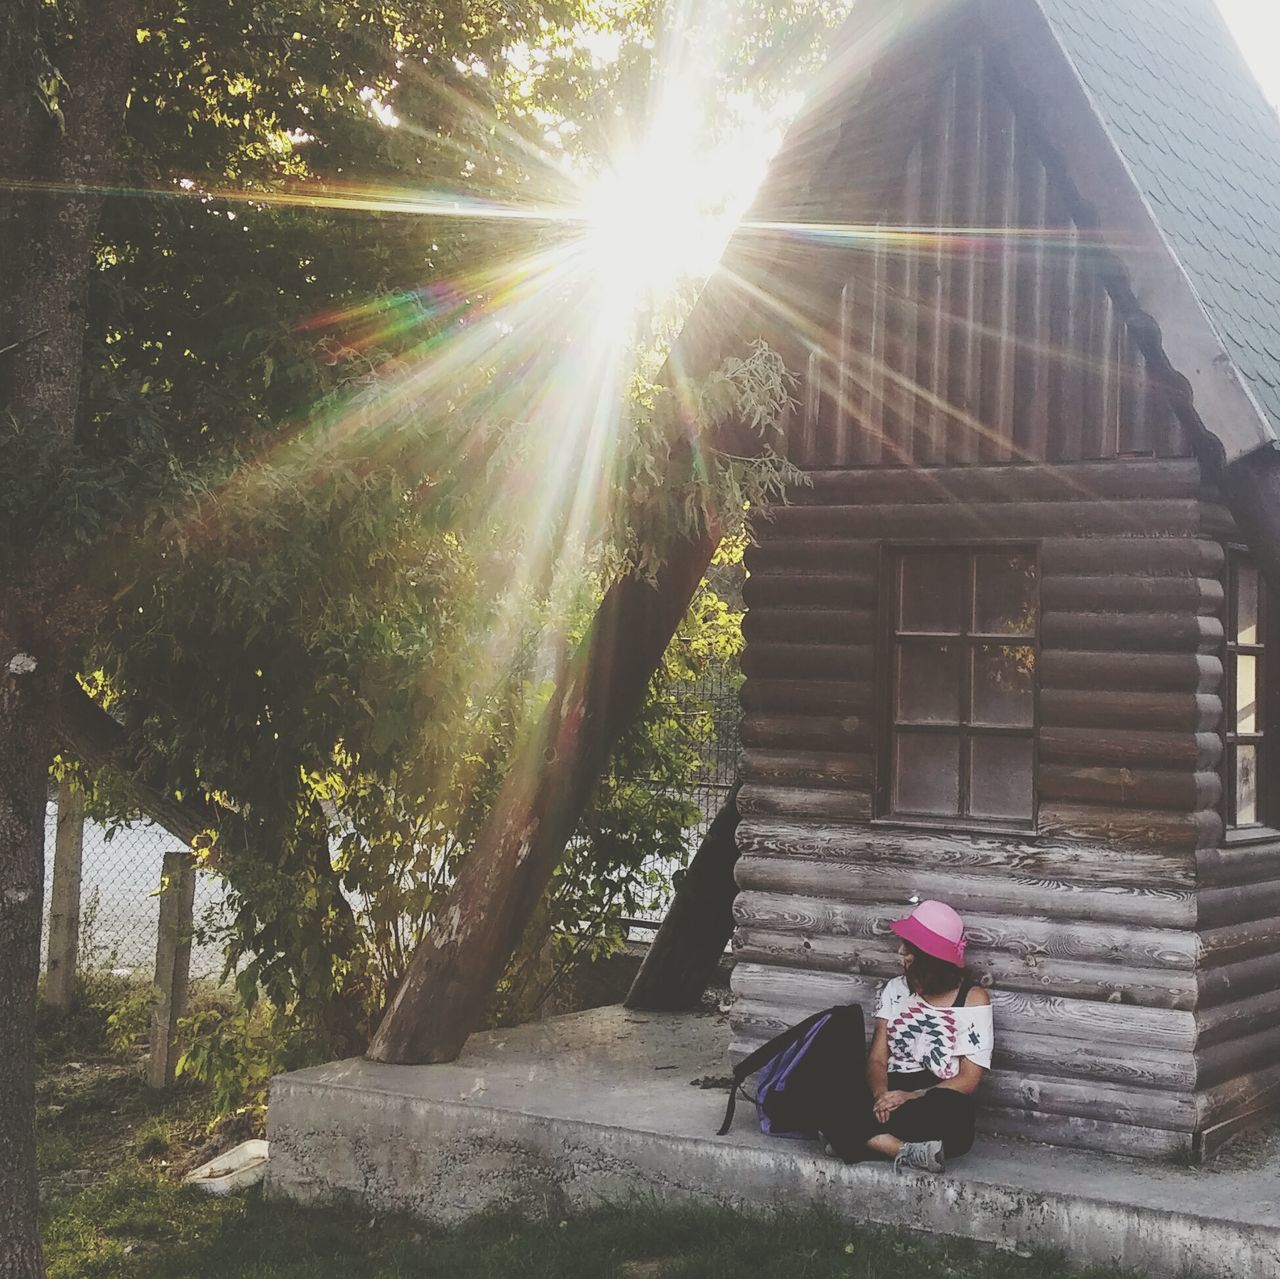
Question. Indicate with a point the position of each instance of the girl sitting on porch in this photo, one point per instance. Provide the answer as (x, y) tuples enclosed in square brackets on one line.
[(932, 1044)]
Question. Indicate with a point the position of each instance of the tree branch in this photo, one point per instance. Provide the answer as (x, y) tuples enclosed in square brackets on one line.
[(97, 741)]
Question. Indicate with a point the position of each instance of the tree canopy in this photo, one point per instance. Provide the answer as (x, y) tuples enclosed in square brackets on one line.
[(343, 428), (314, 454)]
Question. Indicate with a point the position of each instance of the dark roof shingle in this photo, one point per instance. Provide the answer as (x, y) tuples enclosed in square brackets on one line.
[(1203, 144)]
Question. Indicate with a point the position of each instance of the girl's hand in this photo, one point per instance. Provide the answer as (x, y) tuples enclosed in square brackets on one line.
[(889, 1101)]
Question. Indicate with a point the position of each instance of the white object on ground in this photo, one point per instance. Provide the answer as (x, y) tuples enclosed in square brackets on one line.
[(241, 1166)]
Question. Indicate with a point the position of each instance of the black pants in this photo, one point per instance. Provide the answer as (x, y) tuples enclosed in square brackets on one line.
[(942, 1114)]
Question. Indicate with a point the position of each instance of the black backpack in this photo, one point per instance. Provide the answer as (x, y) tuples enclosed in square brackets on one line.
[(811, 1076)]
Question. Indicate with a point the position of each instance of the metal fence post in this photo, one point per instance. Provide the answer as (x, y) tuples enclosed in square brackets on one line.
[(173, 965), (64, 901)]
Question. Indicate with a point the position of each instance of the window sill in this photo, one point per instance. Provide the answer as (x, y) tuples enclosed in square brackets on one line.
[(1249, 835), (959, 826)]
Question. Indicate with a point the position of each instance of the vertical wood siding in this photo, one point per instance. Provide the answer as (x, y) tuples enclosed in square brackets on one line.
[(978, 323)]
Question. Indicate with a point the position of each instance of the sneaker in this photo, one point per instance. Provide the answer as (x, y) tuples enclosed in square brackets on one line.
[(919, 1156)]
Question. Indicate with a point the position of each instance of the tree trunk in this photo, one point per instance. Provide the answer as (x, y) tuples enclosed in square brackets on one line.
[(97, 741), (26, 749), (689, 945), (65, 149), (502, 879)]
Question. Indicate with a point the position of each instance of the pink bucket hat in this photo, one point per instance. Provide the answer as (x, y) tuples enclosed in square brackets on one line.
[(936, 929)]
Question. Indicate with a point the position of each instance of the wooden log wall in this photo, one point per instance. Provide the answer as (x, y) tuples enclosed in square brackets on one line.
[(979, 322), (1134, 962)]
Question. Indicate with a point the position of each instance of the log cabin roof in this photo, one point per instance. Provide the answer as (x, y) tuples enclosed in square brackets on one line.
[(1203, 143), (1159, 122)]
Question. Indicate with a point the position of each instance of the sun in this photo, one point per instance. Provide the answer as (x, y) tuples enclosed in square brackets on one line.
[(650, 223)]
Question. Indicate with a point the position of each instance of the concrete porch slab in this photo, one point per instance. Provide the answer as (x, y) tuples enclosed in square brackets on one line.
[(598, 1106)]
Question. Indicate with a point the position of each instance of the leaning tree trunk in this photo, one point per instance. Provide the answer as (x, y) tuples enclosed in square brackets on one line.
[(689, 945), (455, 970)]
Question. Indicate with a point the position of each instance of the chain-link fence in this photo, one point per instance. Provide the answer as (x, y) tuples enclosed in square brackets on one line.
[(119, 899), (711, 703), (121, 869)]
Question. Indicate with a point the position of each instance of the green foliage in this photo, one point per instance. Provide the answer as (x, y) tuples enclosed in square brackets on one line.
[(129, 1021), (338, 544), (234, 1053), (678, 480)]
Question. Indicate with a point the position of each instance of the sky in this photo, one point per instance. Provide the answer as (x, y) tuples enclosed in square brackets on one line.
[(1256, 25)]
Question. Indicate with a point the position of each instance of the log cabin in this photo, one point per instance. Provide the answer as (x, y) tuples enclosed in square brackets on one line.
[(1007, 647)]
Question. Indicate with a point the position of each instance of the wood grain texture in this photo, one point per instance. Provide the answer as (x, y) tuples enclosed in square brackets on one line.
[(1032, 974), (1238, 903), (1098, 671), (1238, 864), (1133, 747), (1236, 942), (1151, 788), (752, 1022), (890, 887), (1243, 1095), (807, 732), (928, 851), (1242, 1055), (1113, 1103), (1131, 826), (1128, 632), (1079, 482), (1015, 1012), (1238, 980), (757, 798), (821, 695), (1131, 593), (1121, 709), (1127, 947), (1085, 1133), (771, 659), (808, 768), (1238, 1019), (1135, 517)]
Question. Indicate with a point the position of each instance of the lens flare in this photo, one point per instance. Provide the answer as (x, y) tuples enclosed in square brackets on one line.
[(646, 230)]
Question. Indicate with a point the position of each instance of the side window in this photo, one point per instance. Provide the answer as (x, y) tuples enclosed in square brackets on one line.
[(959, 743), (1246, 759)]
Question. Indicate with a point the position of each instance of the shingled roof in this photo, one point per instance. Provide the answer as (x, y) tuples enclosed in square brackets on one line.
[(1203, 145)]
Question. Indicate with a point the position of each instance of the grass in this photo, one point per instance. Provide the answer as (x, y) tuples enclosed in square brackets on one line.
[(137, 1226), (114, 1208)]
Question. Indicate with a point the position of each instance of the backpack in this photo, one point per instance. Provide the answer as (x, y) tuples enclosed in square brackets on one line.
[(810, 1075)]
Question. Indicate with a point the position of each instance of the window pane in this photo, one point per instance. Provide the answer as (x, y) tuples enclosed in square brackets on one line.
[(1247, 604), (929, 683), (1004, 684), (927, 773), (934, 587), (1000, 777), (1246, 694), (1246, 785), (1005, 594)]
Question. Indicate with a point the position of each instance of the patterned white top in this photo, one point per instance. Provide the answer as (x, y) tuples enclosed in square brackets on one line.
[(922, 1037)]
